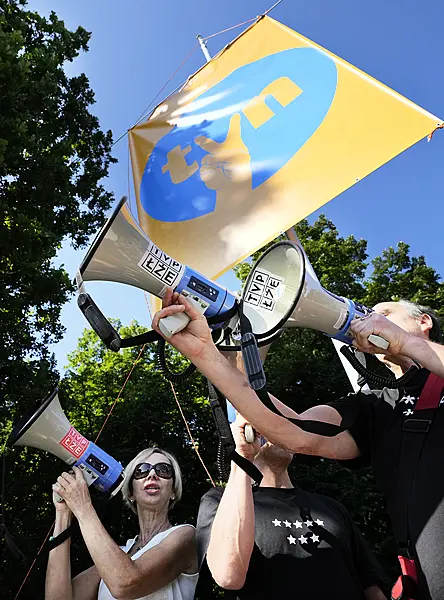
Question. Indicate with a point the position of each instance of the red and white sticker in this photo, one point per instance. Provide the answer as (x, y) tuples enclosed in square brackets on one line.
[(74, 442)]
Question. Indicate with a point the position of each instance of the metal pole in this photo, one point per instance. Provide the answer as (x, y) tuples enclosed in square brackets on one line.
[(203, 47)]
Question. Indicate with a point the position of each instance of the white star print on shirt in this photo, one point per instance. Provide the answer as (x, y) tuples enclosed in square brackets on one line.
[(408, 399), (319, 522), (308, 523), (298, 524), (408, 412), (303, 540), (291, 539), (287, 523), (315, 538), (276, 523)]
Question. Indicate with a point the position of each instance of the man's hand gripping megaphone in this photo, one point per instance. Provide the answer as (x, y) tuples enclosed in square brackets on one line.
[(195, 341), (376, 324)]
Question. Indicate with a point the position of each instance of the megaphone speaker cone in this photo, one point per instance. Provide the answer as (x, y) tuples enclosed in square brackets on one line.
[(274, 287), (25, 422)]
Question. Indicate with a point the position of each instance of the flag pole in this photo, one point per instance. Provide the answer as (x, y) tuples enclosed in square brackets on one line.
[(203, 47)]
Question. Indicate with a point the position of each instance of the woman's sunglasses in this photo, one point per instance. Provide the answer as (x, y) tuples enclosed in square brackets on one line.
[(162, 469)]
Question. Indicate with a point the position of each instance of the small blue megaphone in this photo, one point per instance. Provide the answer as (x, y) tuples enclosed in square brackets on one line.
[(45, 426)]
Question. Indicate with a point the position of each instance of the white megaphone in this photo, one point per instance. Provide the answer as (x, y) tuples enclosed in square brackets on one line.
[(280, 292), (45, 426), (122, 252)]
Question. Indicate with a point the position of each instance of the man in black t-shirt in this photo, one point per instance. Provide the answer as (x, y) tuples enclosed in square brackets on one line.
[(280, 541), (377, 420)]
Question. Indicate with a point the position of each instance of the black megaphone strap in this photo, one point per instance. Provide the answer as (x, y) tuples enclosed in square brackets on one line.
[(258, 382)]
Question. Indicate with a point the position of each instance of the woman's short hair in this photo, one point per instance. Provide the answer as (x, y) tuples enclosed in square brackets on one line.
[(143, 456)]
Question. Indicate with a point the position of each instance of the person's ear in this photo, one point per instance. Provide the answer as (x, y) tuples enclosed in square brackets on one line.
[(426, 324)]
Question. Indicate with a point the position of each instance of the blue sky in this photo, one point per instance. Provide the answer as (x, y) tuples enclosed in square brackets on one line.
[(136, 45)]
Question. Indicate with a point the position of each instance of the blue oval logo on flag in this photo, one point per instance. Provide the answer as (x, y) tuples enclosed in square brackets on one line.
[(238, 134)]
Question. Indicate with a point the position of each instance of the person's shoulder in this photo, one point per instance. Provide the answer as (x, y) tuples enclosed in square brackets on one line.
[(362, 395), (184, 526), (363, 399), (185, 531), (328, 501), (179, 534)]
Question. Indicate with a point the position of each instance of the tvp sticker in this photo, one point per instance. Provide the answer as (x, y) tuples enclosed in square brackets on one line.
[(160, 265), (74, 442), (264, 289)]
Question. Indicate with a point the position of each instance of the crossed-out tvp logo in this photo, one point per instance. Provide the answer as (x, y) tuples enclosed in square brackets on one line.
[(239, 133), (160, 265), (263, 290)]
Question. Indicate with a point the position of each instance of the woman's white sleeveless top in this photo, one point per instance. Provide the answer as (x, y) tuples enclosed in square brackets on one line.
[(181, 588)]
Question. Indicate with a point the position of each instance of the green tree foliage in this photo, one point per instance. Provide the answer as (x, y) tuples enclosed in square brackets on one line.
[(302, 368), (398, 275), (52, 158)]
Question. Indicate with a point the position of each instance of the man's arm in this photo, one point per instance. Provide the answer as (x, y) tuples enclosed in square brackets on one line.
[(195, 343), (232, 533), (278, 430), (428, 354)]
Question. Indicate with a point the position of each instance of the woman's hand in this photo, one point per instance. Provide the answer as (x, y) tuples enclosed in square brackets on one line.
[(60, 505), (196, 338), (246, 449), (74, 491)]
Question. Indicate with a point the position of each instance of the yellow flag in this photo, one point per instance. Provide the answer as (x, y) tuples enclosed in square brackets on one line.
[(270, 130)]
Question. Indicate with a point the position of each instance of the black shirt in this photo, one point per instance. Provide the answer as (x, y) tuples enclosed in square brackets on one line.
[(306, 546), (377, 430)]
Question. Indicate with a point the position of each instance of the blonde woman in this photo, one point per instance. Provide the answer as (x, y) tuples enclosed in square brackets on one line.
[(158, 564)]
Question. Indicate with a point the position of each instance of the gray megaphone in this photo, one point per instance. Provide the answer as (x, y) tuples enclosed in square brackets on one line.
[(121, 252), (45, 426), (281, 292)]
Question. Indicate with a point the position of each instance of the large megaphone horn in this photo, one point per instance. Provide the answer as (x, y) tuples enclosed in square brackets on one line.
[(280, 292), (45, 426), (123, 253)]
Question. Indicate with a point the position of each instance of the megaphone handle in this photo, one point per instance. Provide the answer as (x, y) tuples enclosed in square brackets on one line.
[(173, 324), (378, 341), (249, 433)]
